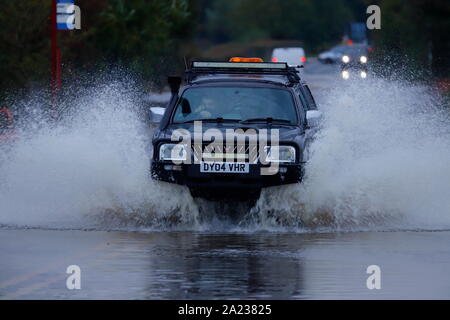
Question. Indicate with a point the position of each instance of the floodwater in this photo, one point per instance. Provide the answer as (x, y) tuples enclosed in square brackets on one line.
[(192, 265), (376, 192)]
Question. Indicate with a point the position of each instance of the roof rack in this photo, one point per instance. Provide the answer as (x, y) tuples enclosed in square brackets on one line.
[(258, 68)]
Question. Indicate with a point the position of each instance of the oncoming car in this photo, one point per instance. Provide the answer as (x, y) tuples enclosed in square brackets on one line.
[(333, 55), (354, 62), (235, 128)]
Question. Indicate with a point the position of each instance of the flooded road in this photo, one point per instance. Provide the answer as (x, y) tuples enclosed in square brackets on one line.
[(377, 192), (186, 265)]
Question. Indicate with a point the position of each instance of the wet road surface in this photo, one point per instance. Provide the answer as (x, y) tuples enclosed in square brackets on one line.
[(190, 265)]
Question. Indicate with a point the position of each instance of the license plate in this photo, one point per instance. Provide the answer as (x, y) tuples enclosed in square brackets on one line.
[(224, 167)]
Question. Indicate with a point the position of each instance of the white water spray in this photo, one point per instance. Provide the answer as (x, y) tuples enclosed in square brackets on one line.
[(91, 168), (381, 161)]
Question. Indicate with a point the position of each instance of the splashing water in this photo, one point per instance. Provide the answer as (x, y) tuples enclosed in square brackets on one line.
[(381, 160), (90, 169)]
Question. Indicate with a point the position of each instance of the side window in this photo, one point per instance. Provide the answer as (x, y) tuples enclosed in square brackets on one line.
[(309, 97), (303, 100), (304, 105)]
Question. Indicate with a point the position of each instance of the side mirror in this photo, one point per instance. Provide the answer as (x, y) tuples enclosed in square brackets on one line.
[(174, 83), (313, 118), (156, 114)]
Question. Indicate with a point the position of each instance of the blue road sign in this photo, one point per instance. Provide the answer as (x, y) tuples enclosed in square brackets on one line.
[(65, 15)]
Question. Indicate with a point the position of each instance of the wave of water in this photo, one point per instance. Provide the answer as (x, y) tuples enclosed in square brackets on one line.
[(381, 160), (91, 169)]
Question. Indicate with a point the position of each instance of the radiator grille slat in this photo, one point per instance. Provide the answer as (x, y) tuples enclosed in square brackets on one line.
[(236, 153)]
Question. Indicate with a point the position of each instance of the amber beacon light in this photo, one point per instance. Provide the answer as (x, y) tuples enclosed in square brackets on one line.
[(239, 59)]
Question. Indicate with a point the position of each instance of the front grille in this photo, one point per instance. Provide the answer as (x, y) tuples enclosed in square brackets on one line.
[(222, 153)]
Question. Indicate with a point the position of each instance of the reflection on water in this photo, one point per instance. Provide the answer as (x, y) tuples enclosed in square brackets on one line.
[(228, 265)]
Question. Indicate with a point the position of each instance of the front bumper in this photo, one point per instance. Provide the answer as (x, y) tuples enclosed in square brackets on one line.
[(190, 175)]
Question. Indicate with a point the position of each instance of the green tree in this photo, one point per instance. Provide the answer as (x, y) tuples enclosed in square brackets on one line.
[(143, 35), (416, 32), (314, 22), (24, 42)]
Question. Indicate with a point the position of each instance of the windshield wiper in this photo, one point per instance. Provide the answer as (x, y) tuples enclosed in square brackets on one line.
[(213, 120), (268, 120)]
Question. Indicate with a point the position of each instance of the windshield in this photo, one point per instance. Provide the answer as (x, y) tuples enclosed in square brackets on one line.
[(233, 103)]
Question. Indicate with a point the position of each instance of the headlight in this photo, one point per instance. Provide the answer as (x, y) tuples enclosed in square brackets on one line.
[(345, 59), (280, 154), (363, 59), (172, 152), (345, 75), (363, 74)]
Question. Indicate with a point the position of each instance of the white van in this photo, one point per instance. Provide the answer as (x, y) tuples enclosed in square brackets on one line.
[(293, 56)]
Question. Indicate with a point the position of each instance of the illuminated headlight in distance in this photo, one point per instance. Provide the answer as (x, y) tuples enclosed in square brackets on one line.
[(363, 59), (345, 75), (345, 59), (363, 74), (172, 152), (284, 154)]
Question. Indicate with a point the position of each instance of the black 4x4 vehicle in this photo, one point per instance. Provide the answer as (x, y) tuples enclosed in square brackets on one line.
[(234, 128)]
